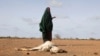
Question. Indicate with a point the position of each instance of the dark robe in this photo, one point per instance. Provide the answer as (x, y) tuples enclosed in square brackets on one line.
[(46, 25)]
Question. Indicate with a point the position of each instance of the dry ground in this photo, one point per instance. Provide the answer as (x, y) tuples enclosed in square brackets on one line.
[(73, 47)]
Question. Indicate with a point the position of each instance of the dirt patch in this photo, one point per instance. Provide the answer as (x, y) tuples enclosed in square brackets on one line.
[(73, 47)]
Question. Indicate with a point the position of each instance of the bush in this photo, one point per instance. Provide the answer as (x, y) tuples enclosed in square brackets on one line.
[(92, 38), (57, 36)]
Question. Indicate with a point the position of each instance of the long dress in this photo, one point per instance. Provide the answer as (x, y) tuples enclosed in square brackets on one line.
[(46, 25)]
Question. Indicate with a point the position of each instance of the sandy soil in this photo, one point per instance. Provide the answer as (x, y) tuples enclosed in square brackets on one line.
[(73, 47)]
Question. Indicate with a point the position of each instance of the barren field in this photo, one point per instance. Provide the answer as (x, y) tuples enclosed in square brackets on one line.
[(73, 47)]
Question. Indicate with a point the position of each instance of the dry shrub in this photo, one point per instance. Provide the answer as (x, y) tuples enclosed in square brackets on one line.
[(92, 38), (57, 36)]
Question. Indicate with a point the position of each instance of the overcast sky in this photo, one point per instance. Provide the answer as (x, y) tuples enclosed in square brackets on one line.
[(74, 18)]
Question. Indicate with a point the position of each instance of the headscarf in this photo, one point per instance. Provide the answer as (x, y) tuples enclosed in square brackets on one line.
[(46, 21)]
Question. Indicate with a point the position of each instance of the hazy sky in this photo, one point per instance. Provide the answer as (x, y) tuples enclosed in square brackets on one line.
[(74, 18)]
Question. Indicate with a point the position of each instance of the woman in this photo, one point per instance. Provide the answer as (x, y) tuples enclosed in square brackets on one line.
[(46, 25)]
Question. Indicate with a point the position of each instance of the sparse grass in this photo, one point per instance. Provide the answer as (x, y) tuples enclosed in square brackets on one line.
[(9, 37), (57, 36)]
